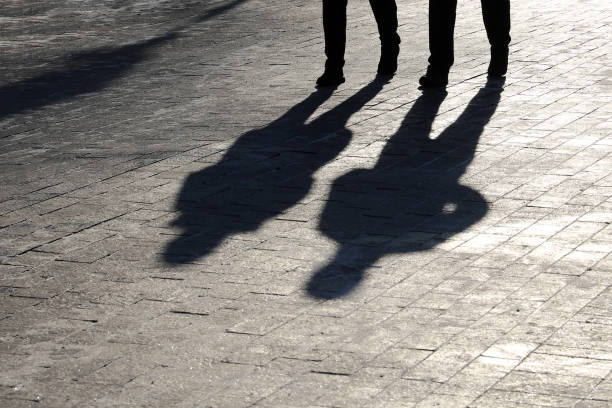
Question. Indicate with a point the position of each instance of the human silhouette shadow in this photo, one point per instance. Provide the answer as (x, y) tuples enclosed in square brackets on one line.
[(265, 172), (84, 73), (88, 71), (412, 199)]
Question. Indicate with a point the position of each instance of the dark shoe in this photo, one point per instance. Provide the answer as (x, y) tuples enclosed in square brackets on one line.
[(388, 57), (333, 75), (330, 78), (499, 62), (434, 78)]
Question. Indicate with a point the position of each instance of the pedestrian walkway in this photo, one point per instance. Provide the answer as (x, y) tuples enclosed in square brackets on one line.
[(186, 222)]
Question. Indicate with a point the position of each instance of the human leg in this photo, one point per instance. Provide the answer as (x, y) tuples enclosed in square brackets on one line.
[(334, 29), (496, 17), (441, 29), (385, 13)]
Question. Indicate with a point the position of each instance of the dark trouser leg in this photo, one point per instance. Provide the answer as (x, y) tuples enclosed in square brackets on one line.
[(334, 28), (385, 13), (441, 29), (496, 16)]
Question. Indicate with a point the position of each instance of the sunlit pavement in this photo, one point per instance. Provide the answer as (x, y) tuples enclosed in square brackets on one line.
[(185, 222)]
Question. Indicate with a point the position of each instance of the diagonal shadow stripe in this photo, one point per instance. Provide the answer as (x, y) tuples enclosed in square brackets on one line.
[(89, 71)]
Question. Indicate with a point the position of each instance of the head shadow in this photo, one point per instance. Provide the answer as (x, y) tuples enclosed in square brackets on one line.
[(412, 199), (264, 173)]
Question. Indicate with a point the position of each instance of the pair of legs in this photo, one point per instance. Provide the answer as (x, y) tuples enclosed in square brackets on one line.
[(496, 16), (334, 27)]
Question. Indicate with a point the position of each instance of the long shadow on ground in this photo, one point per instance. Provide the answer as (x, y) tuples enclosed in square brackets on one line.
[(88, 71), (412, 199), (265, 172)]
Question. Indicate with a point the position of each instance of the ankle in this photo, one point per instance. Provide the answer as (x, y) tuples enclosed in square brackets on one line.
[(498, 64), (435, 76), (392, 40), (332, 76)]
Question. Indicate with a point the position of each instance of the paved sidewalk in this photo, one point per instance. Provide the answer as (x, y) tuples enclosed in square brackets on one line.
[(185, 222)]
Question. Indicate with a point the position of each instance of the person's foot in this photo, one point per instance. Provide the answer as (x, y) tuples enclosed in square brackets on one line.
[(499, 62), (388, 57), (434, 77), (330, 78), (333, 75)]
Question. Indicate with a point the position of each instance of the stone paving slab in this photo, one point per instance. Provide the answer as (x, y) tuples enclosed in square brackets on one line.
[(186, 222)]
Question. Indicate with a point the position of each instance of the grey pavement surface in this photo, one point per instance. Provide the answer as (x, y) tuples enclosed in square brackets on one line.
[(185, 222)]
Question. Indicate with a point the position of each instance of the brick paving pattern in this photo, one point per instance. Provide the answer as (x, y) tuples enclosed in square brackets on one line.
[(185, 222)]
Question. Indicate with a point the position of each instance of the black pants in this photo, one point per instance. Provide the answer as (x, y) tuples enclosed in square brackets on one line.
[(496, 16), (334, 27)]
